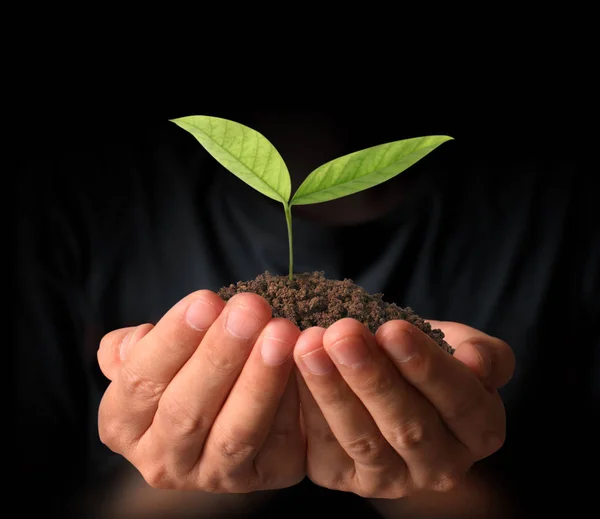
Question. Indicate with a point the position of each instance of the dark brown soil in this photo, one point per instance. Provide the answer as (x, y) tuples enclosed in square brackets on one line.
[(311, 299)]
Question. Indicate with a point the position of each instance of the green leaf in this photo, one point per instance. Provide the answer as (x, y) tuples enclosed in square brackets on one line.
[(363, 169), (244, 152)]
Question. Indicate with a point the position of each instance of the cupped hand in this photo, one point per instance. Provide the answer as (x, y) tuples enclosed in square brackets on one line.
[(206, 398), (389, 414)]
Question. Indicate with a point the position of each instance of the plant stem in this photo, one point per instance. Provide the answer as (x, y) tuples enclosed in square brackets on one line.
[(288, 218)]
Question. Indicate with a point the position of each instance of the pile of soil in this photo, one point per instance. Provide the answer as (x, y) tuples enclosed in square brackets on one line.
[(311, 299)]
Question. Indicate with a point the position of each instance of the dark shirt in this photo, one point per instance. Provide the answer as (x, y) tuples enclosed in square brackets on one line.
[(114, 234)]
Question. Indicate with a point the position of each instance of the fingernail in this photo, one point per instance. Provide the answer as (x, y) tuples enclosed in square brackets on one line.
[(401, 348), (350, 351), (201, 314), (124, 347), (241, 322), (318, 362), (275, 351)]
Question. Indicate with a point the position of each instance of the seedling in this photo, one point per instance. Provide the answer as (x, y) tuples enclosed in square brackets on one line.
[(251, 157)]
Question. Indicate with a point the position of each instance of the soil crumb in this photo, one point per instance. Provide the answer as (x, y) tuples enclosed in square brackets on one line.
[(311, 299)]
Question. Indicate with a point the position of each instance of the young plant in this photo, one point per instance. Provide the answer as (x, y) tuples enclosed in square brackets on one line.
[(251, 157)]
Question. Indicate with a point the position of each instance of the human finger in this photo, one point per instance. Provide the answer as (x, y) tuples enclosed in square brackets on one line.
[(327, 463), (406, 419), (351, 423), (246, 418), (130, 402), (473, 414), (191, 402), (114, 345)]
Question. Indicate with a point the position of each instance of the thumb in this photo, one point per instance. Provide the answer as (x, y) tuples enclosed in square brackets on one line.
[(115, 345)]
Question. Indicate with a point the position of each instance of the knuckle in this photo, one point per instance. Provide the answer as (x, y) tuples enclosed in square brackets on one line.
[(220, 362), (110, 431), (137, 384), (323, 436), (235, 446), (218, 480), (363, 448), (389, 481), (380, 485), (210, 483), (157, 476), (180, 418), (334, 397), (446, 482), (409, 435), (378, 385), (215, 483)]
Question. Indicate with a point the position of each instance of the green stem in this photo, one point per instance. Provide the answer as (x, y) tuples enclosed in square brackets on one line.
[(288, 218)]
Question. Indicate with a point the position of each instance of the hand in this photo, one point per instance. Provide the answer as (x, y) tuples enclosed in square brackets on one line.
[(205, 399), (389, 414)]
